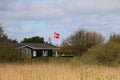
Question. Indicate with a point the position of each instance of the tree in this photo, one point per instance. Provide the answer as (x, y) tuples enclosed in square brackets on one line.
[(1, 31), (82, 40), (35, 39), (8, 51), (12, 41), (114, 38), (4, 38)]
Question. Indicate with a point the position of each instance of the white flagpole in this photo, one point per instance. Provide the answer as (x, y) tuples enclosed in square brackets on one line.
[(56, 36)]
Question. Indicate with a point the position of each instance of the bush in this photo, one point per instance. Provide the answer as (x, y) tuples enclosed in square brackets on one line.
[(8, 52), (80, 41), (106, 54)]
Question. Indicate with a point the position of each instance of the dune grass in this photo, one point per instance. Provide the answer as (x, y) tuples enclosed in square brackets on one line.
[(57, 71)]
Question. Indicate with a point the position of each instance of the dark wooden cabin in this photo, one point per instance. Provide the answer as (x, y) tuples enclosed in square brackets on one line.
[(34, 50)]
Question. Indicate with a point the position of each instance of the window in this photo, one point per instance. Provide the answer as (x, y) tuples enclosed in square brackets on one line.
[(45, 53), (34, 53)]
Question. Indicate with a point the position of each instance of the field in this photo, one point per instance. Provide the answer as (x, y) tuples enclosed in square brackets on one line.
[(57, 71)]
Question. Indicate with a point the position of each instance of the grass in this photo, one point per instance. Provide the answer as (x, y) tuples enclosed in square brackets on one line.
[(57, 71)]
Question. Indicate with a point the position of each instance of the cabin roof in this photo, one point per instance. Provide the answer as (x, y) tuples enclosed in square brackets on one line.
[(37, 45)]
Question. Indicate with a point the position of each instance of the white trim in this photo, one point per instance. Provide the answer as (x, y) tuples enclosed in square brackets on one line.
[(56, 54)]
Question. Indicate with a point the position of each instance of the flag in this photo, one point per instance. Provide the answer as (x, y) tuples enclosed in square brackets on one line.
[(56, 35)]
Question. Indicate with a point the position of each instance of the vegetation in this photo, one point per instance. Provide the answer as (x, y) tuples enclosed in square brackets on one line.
[(88, 48), (81, 41), (4, 38), (114, 38), (106, 54), (92, 50), (56, 71), (8, 51), (93, 61), (35, 39)]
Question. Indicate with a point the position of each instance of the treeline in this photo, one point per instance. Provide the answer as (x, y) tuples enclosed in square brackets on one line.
[(79, 42), (91, 48), (8, 51), (8, 47), (88, 46)]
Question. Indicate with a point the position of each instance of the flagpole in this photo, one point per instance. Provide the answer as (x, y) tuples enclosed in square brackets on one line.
[(56, 36)]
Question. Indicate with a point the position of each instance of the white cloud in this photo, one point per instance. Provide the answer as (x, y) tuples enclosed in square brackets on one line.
[(60, 10), (32, 10), (91, 6), (63, 15), (20, 29)]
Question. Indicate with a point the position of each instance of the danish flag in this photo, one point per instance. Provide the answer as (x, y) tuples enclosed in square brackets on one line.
[(56, 35)]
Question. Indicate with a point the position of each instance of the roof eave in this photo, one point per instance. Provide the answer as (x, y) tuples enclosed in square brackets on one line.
[(35, 48)]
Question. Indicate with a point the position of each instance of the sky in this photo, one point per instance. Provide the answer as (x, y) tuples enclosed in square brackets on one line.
[(28, 18)]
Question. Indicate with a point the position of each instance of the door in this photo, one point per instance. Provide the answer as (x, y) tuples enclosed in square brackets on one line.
[(39, 53), (50, 54)]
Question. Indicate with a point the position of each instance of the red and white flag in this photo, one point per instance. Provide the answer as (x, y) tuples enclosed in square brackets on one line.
[(56, 35)]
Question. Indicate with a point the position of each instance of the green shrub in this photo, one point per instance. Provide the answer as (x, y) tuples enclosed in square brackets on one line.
[(106, 54), (8, 52)]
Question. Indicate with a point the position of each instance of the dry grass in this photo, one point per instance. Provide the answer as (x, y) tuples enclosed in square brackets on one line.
[(52, 71)]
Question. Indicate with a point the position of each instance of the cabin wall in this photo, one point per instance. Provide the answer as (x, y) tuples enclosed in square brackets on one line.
[(42, 53), (26, 52), (32, 53)]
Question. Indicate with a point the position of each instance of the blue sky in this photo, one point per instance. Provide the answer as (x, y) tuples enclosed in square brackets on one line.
[(27, 18)]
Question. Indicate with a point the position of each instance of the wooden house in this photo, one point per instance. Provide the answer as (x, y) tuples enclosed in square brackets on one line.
[(33, 50)]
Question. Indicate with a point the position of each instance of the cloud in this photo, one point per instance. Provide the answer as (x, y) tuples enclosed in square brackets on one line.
[(31, 11), (91, 6), (58, 10), (64, 16)]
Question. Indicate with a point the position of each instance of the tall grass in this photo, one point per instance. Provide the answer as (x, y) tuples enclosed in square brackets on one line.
[(57, 71)]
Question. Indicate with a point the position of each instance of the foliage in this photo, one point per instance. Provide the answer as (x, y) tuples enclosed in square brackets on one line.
[(81, 41), (4, 38), (35, 39), (8, 52), (106, 54), (115, 38), (12, 41), (1, 31), (65, 49)]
